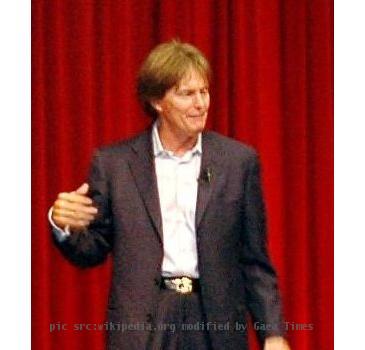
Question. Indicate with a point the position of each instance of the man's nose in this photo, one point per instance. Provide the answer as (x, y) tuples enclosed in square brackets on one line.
[(199, 101)]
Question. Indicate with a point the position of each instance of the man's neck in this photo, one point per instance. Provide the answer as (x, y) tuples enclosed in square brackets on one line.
[(177, 143)]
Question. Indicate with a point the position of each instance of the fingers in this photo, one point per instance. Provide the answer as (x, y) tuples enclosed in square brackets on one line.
[(83, 189), (74, 209), (74, 214), (75, 198), (62, 221), (276, 343), (74, 206)]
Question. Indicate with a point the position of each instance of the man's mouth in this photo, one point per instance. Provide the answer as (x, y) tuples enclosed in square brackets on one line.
[(197, 116)]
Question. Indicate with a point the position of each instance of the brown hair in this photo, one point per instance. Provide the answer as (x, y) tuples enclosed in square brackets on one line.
[(164, 67)]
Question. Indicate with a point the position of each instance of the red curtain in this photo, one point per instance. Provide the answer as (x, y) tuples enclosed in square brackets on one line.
[(272, 88)]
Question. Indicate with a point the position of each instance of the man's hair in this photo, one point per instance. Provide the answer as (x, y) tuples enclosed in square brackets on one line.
[(164, 68)]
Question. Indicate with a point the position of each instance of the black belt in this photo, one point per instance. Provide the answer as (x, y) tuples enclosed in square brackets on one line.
[(182, 285)]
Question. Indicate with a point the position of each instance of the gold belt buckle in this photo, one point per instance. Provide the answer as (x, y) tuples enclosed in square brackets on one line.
[(183, 285)]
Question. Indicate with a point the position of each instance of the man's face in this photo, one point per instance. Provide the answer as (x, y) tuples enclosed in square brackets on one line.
[(184, 108)]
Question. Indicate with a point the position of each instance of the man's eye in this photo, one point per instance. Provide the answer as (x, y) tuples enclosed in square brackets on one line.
[(192, 93), (187, 93)]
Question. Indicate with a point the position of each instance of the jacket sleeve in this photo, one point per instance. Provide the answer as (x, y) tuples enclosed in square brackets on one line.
[(91, 246), (263, 299)]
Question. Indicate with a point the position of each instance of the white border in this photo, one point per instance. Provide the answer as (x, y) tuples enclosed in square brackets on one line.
[(349, 174), (349, 170), (15, 174)]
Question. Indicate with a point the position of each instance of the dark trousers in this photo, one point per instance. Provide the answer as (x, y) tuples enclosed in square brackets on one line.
[(179, 323)]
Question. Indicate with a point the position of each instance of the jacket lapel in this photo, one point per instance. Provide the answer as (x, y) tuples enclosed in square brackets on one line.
[(210, 171), (143, 170)]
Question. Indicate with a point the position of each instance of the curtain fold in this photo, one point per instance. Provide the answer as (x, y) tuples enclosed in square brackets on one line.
[(272, 88)]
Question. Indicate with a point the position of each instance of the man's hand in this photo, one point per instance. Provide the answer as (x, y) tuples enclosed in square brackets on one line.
[(74, 209), (276, 343)]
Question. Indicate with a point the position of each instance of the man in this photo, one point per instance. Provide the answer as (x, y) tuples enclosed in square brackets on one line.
[(181, 211)]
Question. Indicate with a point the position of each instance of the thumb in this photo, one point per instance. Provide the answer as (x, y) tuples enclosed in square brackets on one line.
[(83, 189)]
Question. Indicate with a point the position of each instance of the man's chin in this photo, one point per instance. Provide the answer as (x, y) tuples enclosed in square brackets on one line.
[(196, 130), (197, 125)]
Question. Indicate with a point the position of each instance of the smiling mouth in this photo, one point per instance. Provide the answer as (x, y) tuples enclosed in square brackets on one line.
[(197, 116)]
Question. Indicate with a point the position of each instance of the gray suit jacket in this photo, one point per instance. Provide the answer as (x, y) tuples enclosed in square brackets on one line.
[(236, 275)]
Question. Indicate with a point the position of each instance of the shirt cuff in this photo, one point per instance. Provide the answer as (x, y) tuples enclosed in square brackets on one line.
[(60, 234)]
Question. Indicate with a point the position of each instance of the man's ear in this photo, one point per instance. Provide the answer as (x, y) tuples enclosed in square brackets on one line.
[(156, 105)]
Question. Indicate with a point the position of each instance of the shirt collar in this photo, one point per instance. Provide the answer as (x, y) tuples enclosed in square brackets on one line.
[(158, 148)]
